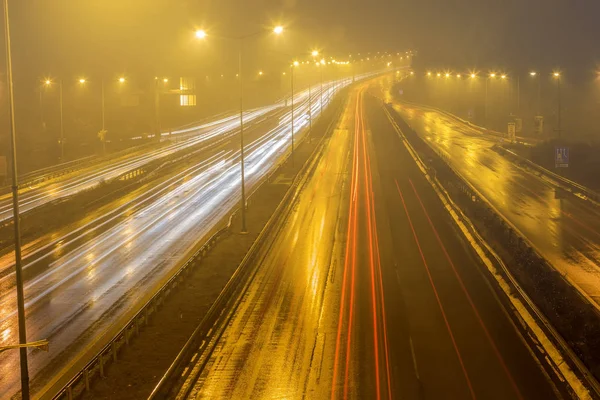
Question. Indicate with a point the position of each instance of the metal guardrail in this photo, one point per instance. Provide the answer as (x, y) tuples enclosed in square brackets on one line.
[(573, 360), (573, 187), (96, 366), (528, 141), (240, 276)]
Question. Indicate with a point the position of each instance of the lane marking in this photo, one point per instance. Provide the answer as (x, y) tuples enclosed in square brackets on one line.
[(437, 297), (414, 357), (478, 244), (468, 296)]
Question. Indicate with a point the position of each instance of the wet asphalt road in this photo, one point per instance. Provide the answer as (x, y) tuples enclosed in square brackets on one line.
[(104, 170), (83, 282), (368, 291), (565, 230)]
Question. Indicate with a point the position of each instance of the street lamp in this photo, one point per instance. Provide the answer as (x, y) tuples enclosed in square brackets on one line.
[(557, 76), (201, 34), (294, 65), (121, 80), (534, 74), (491, 76), (16, 217)]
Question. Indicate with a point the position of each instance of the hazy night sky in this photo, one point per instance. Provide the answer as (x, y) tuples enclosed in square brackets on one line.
[(154, 34)]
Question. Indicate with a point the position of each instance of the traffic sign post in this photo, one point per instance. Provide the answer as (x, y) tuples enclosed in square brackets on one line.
[(561, 157), (512, 132)]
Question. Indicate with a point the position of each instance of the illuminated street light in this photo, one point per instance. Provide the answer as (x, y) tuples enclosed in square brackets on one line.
[(533, 73), (47, 82), (428, 73), (438, 74), (411, 72), (315, 53), (473, 76), (503, 76), (122, 80), (200, 34), (458, 75), (296, 63), (278, 30), (82, 81), (165, 80), (492, 75), (16, 217), (556, 75), (447, 75)]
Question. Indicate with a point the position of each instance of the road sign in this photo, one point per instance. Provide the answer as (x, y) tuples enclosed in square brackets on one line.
[(519, 125), (512, 128), (3, 169), (561, 157), (538, 122)]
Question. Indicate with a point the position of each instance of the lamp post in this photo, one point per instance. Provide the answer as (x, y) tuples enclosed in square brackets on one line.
[(201, 34), (292, 68), (533, 74), (491, 76), (314, 54), (557, 76), (16, 220), (321, 66)]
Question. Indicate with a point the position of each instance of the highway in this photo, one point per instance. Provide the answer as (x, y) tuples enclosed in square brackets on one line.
[(83, 282), (91, 175), (564, 229), (367, 290)]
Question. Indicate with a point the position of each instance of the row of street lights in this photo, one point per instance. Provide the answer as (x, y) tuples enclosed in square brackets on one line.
[(82, 81), (556, 75)]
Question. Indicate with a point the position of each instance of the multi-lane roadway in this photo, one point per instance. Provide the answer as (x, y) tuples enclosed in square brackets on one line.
[(83, 282), (367, 290), (564, 229)]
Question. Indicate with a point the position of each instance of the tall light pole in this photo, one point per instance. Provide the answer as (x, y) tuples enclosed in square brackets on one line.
[(533, 74), (62, 126), (16, 220), (292, 68), (321, 66), (201, 34), (491, 76), (558, 115), (157, 124), (314, 54)]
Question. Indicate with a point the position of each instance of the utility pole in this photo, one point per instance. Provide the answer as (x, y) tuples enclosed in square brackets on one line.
[(62, 128), (157, 127), (103, 137), (292, 77), (559, 111), (16, 220), (243, 205)]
